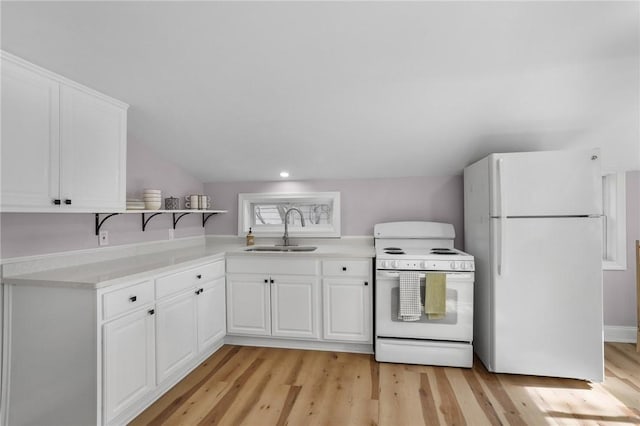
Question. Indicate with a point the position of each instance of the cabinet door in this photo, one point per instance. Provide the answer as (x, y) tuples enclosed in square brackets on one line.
[(93, 151), (30, 138), (175, 334), (347, 309), (294, 306), (248, 305), (212, 317), (128, 361)]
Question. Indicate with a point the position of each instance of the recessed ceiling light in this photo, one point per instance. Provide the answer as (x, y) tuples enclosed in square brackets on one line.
[(284, 174)]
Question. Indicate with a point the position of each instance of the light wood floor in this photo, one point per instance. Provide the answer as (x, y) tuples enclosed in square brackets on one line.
[(266, 386)]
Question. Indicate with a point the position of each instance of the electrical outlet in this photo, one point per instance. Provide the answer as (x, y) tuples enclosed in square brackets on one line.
[(171, 234), (103, 238)]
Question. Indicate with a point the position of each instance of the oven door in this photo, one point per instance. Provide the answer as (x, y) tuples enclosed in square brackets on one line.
[(457, 325)]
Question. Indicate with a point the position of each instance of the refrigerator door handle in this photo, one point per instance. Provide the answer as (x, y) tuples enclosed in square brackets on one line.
[(501, 217)]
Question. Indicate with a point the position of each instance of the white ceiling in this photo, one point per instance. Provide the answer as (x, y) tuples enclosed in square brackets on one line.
[(240, 90)]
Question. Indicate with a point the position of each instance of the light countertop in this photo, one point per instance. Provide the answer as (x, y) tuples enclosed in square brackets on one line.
[(107, 273)]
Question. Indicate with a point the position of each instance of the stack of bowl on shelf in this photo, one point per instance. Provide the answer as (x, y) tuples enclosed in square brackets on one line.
[(135, 204), (152, 199)]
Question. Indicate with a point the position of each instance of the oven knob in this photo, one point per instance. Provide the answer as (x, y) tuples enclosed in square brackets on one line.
[(453, 265), (395, 264), (463, 266), (424, 265), (383, 264)]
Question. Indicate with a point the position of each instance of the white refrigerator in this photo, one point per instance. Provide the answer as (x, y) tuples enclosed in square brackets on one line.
[(533, 223)]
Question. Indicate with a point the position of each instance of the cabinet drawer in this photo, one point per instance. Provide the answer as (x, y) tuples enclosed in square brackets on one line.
[(170, 284), (346, 268), (126, 299), (269, 265)]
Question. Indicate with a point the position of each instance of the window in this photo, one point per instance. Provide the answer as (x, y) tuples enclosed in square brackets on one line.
[(614, 221), (264, 213)]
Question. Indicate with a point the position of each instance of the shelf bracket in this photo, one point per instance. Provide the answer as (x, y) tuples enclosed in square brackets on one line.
[(100, 222), (205, 217), (176, 220), (145, 222)]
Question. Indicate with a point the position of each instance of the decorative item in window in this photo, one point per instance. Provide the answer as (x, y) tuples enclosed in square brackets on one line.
[(265, 213)]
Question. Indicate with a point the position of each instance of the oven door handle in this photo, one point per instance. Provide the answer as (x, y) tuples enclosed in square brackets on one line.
[(395, 274), (450, 275)]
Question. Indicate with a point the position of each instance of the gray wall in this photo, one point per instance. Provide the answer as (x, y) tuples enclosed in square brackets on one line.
[(364, 202)]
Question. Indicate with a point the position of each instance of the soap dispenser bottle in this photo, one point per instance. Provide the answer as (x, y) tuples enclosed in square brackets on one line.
[(250, 239)]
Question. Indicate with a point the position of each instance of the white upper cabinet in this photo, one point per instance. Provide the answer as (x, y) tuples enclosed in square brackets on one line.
[(63, 145), (30, 137)]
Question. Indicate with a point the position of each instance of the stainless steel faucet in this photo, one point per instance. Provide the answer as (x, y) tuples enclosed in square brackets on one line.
[(285, 237)]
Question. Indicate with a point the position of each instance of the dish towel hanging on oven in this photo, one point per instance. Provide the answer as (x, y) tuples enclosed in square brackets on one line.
[(435, 295), (410, 306)]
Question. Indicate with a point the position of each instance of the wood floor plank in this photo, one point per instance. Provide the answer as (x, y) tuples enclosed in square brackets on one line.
[(482, 397), (305, 410), (427, 401), (276, 392), (399, 395), (220, 409), (472, 411), (267, 386)]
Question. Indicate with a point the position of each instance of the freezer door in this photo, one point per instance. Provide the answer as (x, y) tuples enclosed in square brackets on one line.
[(549, 183), (547, 298)]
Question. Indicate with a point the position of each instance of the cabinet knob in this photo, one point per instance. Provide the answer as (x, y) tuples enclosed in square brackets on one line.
[(133, 298), (344, 268), (56, 201), (151, 311), (271, 281), (67, 202), (366, 283), (199, 276), (266, 281)]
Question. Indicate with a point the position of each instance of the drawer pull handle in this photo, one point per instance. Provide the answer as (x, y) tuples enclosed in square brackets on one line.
[(133, 299), (56, 202), (198, 291), (344, 268), (67, 202), (151, 311), (199, 276)]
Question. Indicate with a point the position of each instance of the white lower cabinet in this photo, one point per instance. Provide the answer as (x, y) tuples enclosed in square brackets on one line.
[(248, 305), (263, 300), (129, 360), (347, 309), (273, 305), (347, 297), (176, 332), (81, 356), (295, 306), (212, 318), (269, 302)]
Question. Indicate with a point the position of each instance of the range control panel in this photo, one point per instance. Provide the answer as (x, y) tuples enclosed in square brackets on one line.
[(426, 265)]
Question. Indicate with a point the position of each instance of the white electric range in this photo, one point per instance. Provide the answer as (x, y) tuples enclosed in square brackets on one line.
[(423, 248)]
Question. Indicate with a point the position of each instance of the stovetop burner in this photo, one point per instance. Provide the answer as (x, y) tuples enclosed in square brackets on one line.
[(443, 251), (398, 251)]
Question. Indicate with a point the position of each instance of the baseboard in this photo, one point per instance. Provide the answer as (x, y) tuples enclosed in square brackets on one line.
[(621, 334)]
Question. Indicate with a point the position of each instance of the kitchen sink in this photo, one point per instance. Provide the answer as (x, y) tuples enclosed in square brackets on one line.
[(281, 248)]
